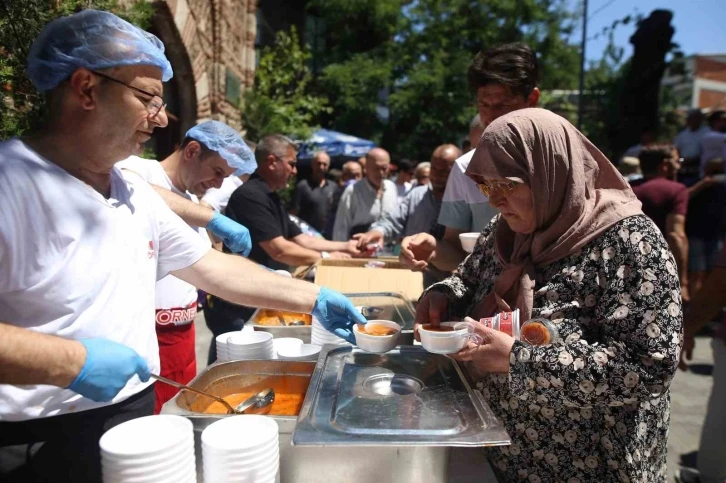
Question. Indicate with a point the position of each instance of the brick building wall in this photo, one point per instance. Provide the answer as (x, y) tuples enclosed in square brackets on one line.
[(211, 46)]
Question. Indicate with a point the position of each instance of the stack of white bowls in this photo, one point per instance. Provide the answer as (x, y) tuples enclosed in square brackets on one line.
[(302, 352), (286, 344), (221, 342), (243, 346), (320, 336), (241, 449), (153, 449)]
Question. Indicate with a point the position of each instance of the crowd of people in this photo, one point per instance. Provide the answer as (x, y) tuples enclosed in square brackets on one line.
[(682, 186), (102, 255)]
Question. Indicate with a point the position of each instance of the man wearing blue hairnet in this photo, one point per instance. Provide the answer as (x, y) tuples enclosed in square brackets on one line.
[(81, 249), (209, 153)]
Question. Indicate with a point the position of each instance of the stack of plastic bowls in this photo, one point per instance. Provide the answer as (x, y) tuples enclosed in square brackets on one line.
[(285, 344), (303, 352), (320, 336), (241, 449), (152, 449), (221, 342), (243, 346)]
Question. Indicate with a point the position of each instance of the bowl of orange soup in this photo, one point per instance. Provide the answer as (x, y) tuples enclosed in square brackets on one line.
[(377, 336)]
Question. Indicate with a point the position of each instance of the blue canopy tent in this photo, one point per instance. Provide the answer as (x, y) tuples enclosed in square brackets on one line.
[(336, 144)]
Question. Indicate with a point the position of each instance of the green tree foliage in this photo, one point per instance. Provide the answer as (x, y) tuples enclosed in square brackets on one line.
[(280, 101), (21, 107), (417, 56)]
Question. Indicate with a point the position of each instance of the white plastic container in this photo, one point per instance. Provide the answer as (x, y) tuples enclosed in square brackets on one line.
[(449, 342), (468, 241), (377, 343)]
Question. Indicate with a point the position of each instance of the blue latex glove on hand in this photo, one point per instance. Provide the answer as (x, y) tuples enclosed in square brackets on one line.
[(235, 236), (337, 314), (108, 367)]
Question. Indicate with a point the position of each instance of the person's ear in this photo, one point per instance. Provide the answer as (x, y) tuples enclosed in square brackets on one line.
[(83, 84), (191, 149), (533, 98)]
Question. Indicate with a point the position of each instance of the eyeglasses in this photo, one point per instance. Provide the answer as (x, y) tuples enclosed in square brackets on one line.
[(154, 105), (505, 187)]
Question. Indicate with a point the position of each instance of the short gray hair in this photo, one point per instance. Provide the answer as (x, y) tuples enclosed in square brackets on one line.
[(274, 144), (421, 166)]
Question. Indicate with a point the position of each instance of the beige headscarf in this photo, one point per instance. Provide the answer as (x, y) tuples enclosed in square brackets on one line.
[(577, 195)]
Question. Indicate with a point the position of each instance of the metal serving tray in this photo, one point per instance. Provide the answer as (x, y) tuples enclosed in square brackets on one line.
[(375, 305), (406, 397)]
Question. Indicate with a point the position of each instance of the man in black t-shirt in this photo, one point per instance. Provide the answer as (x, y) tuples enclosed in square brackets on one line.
[(276, 241), (313, 197)]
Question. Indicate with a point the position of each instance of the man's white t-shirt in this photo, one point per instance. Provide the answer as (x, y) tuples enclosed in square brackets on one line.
[(171, 292), (218, 198), (78, 265), (464, 207)]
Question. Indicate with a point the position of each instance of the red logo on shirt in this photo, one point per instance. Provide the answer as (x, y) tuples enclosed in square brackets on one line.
[(151, 249)]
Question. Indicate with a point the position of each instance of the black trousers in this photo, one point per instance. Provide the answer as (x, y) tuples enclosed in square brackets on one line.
[(64, 449)]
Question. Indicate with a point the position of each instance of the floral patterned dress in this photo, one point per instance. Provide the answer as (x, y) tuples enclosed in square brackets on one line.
[(594, 406)]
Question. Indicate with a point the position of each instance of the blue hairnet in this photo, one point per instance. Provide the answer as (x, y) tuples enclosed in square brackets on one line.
[(92, 39), (226, 142)]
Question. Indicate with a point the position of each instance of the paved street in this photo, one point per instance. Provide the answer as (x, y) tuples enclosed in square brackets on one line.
[(690, 392)]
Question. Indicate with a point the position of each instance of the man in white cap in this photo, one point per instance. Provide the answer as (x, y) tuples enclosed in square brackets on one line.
[(210, 152), (81, 249)]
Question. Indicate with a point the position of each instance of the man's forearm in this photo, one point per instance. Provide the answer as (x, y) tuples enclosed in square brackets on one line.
[(238, 280), (706, 303), (297, 255), (319, 245), (678, 243), (28, 357), (448, 256), (193, 213)]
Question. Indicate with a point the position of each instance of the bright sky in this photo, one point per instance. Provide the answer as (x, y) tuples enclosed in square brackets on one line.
[(700, 24)]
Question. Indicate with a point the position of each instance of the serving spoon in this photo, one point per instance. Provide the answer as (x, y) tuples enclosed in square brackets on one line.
[(259, 400)]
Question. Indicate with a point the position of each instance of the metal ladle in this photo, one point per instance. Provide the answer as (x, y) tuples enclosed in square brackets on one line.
[(262, 399), (259, 400)]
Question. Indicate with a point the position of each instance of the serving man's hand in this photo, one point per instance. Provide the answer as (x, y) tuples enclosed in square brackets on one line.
[(107, 369), (235, 236), (337, 314)]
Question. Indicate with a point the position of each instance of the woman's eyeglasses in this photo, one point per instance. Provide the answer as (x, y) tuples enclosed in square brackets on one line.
[(154, 105), (505, 187)]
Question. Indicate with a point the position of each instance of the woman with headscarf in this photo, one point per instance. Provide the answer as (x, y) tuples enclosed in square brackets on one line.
[(571, 245)]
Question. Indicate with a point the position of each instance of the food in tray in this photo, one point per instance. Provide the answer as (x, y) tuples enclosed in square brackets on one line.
[(277, 317), (289, 395)]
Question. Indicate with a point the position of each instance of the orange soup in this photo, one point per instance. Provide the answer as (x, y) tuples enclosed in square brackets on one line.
[(376, 329), (289, 395), (272, 317)]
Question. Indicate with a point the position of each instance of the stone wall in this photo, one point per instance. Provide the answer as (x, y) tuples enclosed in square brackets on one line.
[(219, 39)]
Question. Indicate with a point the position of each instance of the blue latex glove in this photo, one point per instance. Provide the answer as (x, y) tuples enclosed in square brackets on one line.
[(235, 236), (108, 367), (337, 314)]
